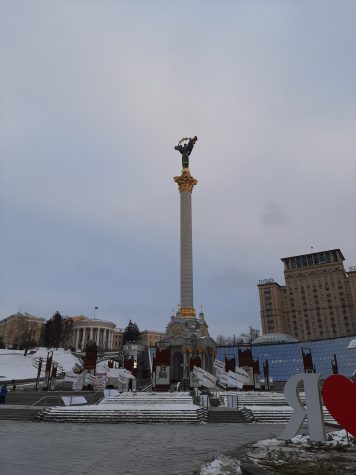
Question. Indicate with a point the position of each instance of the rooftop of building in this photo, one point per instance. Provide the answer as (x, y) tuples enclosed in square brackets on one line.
[(156, 332), (331, 256), (24, 315), (273, 338), (269, 282)]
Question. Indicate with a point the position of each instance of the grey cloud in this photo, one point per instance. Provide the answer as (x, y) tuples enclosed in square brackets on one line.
[(274, 215)]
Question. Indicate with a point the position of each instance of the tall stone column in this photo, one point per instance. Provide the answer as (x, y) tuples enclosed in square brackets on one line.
[(185, 184), (76, 338), (111, 337)]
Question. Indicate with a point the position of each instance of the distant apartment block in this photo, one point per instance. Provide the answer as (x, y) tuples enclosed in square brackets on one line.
[(317, 301), (19, 328), (118, 339), (151, 337)]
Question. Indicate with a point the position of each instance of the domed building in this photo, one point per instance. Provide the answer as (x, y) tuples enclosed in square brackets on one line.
[(85, 330)]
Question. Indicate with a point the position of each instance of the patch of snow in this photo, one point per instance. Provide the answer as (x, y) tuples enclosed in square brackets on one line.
[(133, 407), (333, 439), (269, 443), (269, 408), (222, 465)]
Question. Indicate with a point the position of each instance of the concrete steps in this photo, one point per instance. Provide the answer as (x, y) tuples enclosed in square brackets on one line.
[(138, 416), (226, 416), (136, 408), (149, 398), (261, 399), (279, 414), (269, 407), (18, 413)]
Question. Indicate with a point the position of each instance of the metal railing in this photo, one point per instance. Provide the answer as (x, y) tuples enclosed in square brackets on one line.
[(91, 398), (46, 398), (146, 388)]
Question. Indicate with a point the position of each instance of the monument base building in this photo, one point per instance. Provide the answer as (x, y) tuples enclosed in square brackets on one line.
[(187, 344)]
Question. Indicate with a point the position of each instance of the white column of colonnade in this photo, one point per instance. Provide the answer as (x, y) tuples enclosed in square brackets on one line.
[(76, 338), (111, 338), (98, 335)]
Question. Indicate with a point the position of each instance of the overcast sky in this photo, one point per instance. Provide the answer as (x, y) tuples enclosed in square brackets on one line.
[(94, 96)]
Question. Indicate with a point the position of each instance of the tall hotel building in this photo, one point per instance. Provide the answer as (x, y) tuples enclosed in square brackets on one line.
[(317, 301)]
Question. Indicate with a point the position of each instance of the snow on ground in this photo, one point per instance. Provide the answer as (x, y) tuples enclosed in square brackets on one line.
[(269, 408), (336, 455), (14, 365), (222, 466), (162, 407), (333, 439), (131, 407)]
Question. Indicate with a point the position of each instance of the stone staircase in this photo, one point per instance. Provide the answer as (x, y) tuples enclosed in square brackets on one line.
[(26, 405), (140, 398), (272, 407), (280, 414), (261, 399), (18, 413), (139, 408), (222, 415)]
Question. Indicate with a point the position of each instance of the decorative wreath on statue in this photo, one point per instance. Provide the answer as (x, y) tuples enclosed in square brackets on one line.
[(184, 141)]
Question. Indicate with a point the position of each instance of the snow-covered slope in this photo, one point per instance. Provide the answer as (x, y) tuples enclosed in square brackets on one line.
[(14, 365)]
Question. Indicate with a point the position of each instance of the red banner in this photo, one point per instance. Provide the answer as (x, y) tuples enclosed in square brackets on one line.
[(91, 354)]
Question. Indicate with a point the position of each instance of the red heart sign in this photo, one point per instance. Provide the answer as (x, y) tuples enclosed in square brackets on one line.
[(339, 395)]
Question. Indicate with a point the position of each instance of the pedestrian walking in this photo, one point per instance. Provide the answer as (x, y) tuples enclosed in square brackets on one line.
[(13, 385), (3, 392), (130, 384)]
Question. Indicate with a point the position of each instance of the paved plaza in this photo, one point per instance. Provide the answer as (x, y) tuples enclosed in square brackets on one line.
[(53, 448)]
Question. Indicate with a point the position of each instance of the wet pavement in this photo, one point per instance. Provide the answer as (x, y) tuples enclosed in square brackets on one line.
[(38, 448)]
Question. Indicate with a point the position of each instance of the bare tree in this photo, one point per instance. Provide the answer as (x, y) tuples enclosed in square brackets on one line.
[(228, 340), (26, 336), (67, 332), (220, 340), (250, 336)]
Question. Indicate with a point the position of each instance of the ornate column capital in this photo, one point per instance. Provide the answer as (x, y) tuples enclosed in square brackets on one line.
[(187, 312), (185, 181)]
